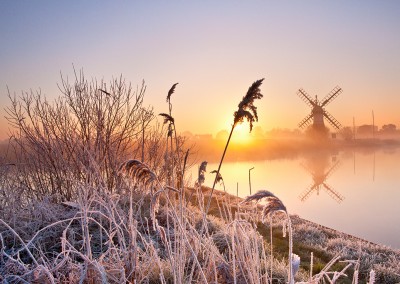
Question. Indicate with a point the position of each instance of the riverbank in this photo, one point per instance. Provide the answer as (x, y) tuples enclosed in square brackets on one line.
[(138, 236), (325, 244)]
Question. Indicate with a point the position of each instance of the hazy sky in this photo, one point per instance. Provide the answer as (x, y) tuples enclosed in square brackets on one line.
[(215, 50)]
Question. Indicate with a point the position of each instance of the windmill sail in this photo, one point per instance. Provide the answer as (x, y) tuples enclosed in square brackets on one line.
[(332, 95), (332, 169), (333, 193), (306, 194), (333, 121), (305, 97), (306, 121)]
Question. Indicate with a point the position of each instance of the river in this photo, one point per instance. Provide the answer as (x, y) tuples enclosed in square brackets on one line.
[(356, 191)]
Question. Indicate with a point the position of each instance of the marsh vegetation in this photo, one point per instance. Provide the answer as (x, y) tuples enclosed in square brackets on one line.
[(93, 190)]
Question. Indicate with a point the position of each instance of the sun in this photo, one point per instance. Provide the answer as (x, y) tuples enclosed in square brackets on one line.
[(241, 134)]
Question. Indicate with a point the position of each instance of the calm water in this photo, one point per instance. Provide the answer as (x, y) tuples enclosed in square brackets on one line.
[(356, 192)]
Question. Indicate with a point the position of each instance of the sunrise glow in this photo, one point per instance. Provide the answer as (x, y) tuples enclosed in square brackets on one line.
[(312, 45), (156, 141), (242, 134)]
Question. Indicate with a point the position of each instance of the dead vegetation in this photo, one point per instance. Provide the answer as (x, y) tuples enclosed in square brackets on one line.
[(96, 194)]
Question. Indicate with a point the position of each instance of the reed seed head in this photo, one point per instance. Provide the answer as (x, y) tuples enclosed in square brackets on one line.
[(138, 171), (273, 203), (246, 108), (167, 118), (170, 92), (258, 196), (219, 176), (202, 171)]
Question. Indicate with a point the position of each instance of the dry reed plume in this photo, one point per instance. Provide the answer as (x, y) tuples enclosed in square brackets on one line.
[(246, 109), (274, 204), (219, 178), (170, 92), (138, 171), (167, 118), (202, 170)]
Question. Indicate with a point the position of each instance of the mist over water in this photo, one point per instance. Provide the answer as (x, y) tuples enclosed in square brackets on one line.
[(355, 191)]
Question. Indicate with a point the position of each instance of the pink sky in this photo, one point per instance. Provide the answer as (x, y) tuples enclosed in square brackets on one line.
[(215, 50)]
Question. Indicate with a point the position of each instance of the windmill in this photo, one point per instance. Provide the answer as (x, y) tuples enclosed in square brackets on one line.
[(319, 177), (318, 111)]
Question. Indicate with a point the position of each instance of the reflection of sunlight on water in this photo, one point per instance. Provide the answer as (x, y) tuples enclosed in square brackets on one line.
[(368, 182)]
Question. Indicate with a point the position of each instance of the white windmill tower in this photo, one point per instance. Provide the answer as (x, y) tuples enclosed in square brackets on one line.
[(318, 111)]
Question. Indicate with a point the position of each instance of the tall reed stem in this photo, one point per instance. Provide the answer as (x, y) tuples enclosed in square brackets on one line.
[(219, 168), (246, 110)]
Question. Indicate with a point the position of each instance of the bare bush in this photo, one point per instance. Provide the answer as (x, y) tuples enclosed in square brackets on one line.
[(83, 135)]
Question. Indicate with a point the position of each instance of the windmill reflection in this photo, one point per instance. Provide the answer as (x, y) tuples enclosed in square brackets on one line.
[(320, 167)]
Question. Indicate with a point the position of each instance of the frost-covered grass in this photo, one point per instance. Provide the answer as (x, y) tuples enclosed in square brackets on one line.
[(78, 206), (110, 239)]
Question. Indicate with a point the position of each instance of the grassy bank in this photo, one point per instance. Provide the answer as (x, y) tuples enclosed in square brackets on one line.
[(114, 239)]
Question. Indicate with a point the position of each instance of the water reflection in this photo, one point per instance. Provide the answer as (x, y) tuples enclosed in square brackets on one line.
[(320, 167), (363, 182), (373, 161)]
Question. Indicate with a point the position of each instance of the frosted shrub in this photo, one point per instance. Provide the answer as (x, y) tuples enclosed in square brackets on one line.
[(309, 235)]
